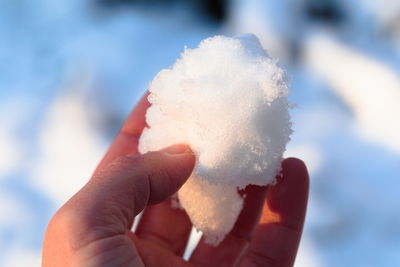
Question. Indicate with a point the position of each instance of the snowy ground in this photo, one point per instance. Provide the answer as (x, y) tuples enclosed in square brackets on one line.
[(70, 71)]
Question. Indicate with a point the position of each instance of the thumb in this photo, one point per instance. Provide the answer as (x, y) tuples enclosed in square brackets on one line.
[(122, 189), (134, 181)]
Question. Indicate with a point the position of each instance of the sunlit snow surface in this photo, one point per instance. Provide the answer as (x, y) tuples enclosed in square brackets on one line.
[(70, 72)]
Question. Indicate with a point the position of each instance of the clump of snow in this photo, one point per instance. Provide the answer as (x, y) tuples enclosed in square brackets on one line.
[(228, 100)]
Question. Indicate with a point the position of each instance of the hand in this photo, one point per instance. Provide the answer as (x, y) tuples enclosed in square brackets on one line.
[(93, 227)]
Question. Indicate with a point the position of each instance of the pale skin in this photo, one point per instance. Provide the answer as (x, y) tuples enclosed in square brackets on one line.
[(94, 227)]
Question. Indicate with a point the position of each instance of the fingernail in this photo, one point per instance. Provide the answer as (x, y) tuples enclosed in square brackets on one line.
[(177, 149)]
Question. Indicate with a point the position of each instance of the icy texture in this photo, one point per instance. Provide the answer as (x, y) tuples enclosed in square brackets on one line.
[(228, 100)]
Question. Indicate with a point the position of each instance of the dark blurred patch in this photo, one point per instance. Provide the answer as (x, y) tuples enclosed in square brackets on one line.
[(117, 3), (328, 11), (213, 9)]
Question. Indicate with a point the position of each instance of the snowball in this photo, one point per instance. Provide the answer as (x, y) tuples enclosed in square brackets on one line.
[(228, 100)]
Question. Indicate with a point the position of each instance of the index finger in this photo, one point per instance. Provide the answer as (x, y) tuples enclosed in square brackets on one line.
[(126, 141)]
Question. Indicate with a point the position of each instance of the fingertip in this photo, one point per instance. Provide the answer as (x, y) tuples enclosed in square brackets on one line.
[(296, 169), (126, 141), (294, 163), (171, 167), (293, 160), (136, 120), (177, 149), (182, 158)]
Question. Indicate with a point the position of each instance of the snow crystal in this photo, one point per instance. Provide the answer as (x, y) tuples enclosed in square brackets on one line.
[(228, 100)]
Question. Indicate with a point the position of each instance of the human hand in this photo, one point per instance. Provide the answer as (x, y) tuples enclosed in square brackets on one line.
[(94, 227)]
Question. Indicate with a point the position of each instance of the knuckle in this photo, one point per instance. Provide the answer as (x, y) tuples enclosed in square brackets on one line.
[(62, 225), (127, 160), (65, 218), (122, 166)]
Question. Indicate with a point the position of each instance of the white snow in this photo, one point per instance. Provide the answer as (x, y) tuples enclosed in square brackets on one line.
[(69, 147), (19, 257), (9, 152), (369, 87), (13, 110), (228, 100)]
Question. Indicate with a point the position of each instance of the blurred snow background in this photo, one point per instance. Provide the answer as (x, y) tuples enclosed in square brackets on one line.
[(70, 71)]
